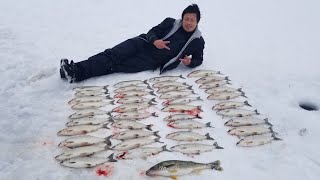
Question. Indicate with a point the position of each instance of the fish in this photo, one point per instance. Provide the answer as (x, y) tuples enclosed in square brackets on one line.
[(249, 130), (131, 83), (207, 79), (222, 89), (127, 124), (91, 120), (230, 105), (169, 83), (225, 95), (142, 152), (87, 112), (257, 140), (165, 78), (134, 143), (84, 140), (188, 136), (183, 100), (134, 115), (90, 99), (166, 89), (132, 107), (187, 124), (184, 108), (86, 162), (213, 84), (91, 88), (195, 148), (132, 88), (81, 129), (136, 99), (89, 105), (203, 73), (176, 117), (237, 112), (81, 151), (173, 168), (131, 134), (134, 93), (246, 121), (91, 93), (176, 94)]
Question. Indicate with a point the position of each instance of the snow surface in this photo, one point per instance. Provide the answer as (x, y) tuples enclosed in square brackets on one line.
[(270, 48)]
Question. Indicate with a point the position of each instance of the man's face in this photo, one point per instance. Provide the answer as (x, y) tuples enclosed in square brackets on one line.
[(189, 22)]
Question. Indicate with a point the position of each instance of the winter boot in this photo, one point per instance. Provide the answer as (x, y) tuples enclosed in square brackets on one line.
[(63, 61)]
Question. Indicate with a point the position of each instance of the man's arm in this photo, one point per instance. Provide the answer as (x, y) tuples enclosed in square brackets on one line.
[(158, 31), (197, 55)]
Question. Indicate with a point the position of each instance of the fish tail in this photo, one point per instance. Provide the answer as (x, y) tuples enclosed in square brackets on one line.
[(199, 107), (208, 136), (112, 102), (189, 87), (209, 124), (149, 127), (145, 82), (216, 165), (108, 97), (154, 114), (106, 125), (181, 77), (152, 93), (157, 140), (227, 78), (267, 122), (149, 87), (243, 94), (240, 90), (198, 116), (153, 100), (275, 138), (246, 103), (105, 87), (111, 159), (215, 144), (107, 140), (156, 134), (257, 112), (164, 148)]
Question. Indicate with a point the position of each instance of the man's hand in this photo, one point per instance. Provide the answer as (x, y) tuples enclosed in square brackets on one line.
[(186, 60), (160, 44)]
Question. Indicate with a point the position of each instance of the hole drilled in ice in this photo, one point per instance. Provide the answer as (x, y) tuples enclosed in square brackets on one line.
[(308, 106)]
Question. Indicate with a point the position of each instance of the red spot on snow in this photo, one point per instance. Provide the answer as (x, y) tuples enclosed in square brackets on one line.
[(104, 170), (142, 173)]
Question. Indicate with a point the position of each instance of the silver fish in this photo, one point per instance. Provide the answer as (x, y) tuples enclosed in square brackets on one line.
[(237, 112), (136, 99), (176, 94), (173, 168), (90, 105), (187, 124), (84, 140), (132, 88), (207, 79), (134, 93), (81, 129), (195, 148), (165, 78), (184, 108), (131, 134), (131, 107), (90, 88), (257, 140), (142, 152), (134, 143), (91, 120), (183, 100), (230, 105), (188, 136), (134, 115), (86, 112), (213, 84), (90, 99), (166, 89), (91, 93), (222, 89), (249, 130), (130, 83), (246, 121), (203, 73), (176, 117), (169, 83), (127, 124), (82, 151), (225, 95), (86, 162)]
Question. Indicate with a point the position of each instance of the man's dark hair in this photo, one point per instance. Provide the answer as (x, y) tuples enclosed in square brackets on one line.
[(193, 8)]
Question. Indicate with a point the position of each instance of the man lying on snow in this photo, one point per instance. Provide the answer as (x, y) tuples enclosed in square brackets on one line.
[(165, 46)]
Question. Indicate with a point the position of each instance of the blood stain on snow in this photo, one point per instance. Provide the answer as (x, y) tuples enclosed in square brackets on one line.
[(104, 170)]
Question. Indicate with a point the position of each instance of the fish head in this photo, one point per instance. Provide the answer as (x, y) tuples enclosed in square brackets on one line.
[(166, 102), (232, 131), (165, 168), (122, 155), (171, 124)]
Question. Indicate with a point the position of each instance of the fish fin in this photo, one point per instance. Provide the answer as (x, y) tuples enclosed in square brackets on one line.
[(197, 172), (149, 127), (111, 159), (208, 137), (215, 144), (216, 165), (156, 134), (154, 100)]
